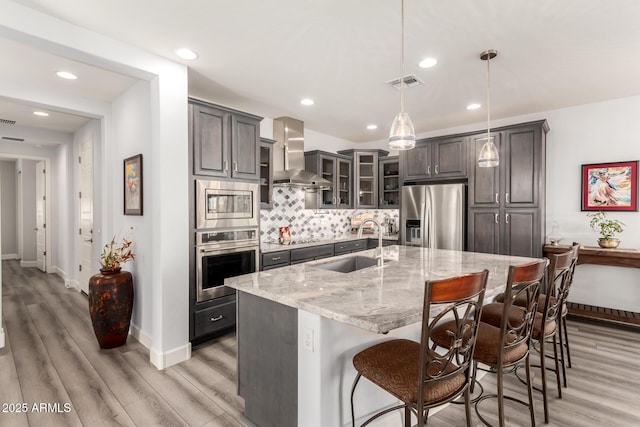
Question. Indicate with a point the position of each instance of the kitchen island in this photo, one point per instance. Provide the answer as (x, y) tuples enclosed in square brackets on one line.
[(299, 327)]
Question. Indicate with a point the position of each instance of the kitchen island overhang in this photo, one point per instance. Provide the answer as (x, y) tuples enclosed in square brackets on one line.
[(318, 319)]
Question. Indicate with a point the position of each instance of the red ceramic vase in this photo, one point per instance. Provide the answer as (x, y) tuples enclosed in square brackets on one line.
[(110, 306)]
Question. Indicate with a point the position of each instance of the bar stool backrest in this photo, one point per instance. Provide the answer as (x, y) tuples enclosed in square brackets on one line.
[(523, 284), (463, 296)]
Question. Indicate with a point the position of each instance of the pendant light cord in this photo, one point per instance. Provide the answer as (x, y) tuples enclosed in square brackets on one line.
[(402, 58), (489, 97)]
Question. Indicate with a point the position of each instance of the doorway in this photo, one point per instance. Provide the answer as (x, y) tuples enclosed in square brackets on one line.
[(85, 243)]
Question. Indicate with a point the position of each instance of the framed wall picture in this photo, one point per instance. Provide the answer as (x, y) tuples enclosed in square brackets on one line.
[(133, 185), (610, 186)]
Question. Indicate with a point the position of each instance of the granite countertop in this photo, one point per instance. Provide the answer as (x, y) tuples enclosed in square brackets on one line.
[(375, 299), (273, 247)]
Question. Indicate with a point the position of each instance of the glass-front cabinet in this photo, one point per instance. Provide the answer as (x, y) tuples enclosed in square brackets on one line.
[(266, 172), (365, 163), (337, 169), (389, 182)]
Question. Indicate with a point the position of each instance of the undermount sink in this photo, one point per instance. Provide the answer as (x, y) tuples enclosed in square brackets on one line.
[(348, 265)]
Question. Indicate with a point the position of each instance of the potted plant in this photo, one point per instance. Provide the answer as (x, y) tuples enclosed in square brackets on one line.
[(607, 229), (111, 295)]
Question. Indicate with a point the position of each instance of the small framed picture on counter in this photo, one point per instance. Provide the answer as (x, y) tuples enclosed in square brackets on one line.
[(610, 186), (133, 185)]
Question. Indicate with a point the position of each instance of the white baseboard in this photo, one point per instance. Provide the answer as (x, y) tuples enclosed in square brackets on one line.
[(9, 256), (164, 360), (142, 337), (1, 338), (60, 272), (69, 284), (28, 263)]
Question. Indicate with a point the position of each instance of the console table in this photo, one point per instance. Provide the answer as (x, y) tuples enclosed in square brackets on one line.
[(599, 256)]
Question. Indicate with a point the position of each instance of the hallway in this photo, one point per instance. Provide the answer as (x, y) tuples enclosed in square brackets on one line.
[(52, 357)]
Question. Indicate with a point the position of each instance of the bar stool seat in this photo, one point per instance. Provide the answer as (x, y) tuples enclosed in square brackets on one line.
[(492, 314), (393, 366)]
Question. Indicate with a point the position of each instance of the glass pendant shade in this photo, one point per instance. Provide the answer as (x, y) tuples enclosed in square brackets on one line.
[(402, 135), (489, 157)]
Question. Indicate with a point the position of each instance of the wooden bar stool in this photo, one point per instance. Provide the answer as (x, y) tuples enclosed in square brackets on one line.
[(506, 345), (415, 374)]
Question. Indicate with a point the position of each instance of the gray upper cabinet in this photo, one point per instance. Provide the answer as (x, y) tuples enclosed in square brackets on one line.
[(337, 169), (226, 142), (365, 164), (435, 159), (506, 203)]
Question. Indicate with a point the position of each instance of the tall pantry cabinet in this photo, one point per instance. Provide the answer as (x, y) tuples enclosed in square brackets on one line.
[(507, 203)]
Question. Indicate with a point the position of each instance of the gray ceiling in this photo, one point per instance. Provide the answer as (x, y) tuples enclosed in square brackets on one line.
[(264, 56)]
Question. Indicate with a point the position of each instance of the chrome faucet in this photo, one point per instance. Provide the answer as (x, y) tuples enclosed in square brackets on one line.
[(378, 253)]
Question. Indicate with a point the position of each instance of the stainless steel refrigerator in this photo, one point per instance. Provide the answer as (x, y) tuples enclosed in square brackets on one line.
[(433, 216)]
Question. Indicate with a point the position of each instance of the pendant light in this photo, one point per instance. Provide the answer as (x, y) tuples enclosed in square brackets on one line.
[(402, 135), (489, 157)]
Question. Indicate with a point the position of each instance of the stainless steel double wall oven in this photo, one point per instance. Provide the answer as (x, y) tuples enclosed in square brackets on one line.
[(227, 235)]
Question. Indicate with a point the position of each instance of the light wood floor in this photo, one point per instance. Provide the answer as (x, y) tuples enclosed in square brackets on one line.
[(51, 357)]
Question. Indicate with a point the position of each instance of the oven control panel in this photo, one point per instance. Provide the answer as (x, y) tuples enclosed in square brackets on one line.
[(232, 236)]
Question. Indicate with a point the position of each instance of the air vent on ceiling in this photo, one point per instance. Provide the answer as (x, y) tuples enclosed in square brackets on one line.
[(7, 122), (409, 80), (9, 138)]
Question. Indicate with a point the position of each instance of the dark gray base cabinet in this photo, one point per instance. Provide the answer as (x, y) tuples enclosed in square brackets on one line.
[(214, 316)]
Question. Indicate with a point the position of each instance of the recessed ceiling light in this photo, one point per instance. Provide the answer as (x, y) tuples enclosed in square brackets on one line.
[(372, 127), (306, 101), (427, 63), (41, 113), (473, 106), (185, 53), (66, 75)]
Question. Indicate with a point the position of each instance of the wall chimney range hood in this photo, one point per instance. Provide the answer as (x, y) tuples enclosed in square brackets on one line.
[(288, 157)]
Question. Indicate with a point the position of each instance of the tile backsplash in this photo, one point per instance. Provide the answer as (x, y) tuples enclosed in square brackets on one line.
[(288, 210)]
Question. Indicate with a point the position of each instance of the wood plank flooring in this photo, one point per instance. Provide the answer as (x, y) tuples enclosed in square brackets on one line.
[(51, 357)]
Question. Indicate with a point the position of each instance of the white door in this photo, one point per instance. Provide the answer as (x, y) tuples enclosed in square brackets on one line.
[(41, 254), (85, 175)]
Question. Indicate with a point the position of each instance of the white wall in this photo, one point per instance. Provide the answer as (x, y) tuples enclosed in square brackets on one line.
[(132, 118), (602, 132), (61, 197), (9, 197)]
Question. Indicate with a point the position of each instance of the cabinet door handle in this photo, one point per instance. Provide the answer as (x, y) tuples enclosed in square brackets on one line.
[(506, 218), (225, 166), (429, 170), (275, 258), (506, 198), (497, 198), (235, 166), (437, 169), (496, 216), (215, 319)]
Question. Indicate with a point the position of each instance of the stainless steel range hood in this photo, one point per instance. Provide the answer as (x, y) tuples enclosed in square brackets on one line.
[(288, 157)]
